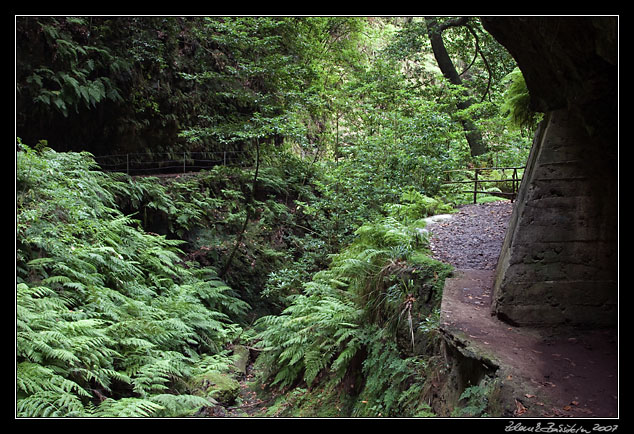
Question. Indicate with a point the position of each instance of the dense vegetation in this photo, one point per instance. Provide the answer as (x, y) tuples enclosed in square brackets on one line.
[(133, 291)]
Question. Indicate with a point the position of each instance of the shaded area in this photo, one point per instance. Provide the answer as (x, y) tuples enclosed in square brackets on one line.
[(540, 373), (559, 262)]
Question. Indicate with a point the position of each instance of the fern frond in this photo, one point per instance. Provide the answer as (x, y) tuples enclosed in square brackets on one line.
[(127, 407), (50, 403), (33, 377), (100, 303), (179, 405)]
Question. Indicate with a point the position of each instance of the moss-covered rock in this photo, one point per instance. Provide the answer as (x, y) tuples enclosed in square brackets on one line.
[(219, 387), (240, 358)]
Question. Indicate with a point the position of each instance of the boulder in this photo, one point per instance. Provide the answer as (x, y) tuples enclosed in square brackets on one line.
[(241, 358), (219, 387)]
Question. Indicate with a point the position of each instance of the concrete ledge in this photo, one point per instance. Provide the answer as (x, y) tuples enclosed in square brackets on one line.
[(529, 372)]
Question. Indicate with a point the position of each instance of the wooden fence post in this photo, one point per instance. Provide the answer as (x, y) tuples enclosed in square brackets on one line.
[(475, 187)]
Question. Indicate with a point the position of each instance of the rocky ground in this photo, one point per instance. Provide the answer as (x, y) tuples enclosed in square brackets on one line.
[(472, 237)]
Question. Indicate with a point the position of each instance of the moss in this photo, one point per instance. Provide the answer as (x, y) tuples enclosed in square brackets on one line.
[(324, 402), (215, 385), (241, 358)]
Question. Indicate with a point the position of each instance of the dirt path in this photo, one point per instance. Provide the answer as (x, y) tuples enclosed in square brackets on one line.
[(547, 373), (550, 373), (249, 403)]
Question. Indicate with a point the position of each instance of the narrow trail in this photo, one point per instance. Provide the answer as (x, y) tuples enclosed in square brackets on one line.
[(249, 404), (551, 373)]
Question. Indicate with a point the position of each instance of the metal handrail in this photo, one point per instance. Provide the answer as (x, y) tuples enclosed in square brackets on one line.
[(515, 181), (138, 162)]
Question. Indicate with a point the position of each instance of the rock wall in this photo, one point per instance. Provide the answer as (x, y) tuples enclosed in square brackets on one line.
[(559, 259), (568, 62)]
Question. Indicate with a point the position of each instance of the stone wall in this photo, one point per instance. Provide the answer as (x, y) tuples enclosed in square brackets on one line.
[(559, 259)]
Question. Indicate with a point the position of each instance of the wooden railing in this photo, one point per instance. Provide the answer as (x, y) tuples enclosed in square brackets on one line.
[(478, 181)]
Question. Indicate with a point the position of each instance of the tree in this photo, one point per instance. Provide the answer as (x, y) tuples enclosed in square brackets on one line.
[(434, 31), (65, 78)]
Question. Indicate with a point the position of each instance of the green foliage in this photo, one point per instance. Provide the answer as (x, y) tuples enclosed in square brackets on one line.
[(393, 383), (121, 322), (415, 206), (354, 126), (305, 337), (382, 281), (108, 318), (476, 402), (74, 76), (516, 106), (501, 180)]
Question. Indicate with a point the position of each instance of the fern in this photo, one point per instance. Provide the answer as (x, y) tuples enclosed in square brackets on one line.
[(476, 401), (50, 403), (516, 105), (178, 405), (33, 378), (392, 382), (356, 307), (108, 319), (301, 339), (127, 407)]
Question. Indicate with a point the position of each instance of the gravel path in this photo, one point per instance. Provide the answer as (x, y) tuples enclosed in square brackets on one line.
[(472, 238)]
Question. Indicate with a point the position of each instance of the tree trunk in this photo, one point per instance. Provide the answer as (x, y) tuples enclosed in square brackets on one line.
[(434, 31), (247, 216)]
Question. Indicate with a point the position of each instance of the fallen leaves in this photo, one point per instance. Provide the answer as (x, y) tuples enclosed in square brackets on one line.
[(519, 408)]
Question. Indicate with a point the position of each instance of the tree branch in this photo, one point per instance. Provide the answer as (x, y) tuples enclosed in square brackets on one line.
[(434, 31), (475, 56), (486, 63), (456, 22)]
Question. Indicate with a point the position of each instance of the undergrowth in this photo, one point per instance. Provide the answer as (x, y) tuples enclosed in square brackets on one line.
[(119, 302), (363, 324), (109, 320)]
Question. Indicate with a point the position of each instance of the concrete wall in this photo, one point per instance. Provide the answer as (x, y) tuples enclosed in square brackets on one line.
[(559, 259)]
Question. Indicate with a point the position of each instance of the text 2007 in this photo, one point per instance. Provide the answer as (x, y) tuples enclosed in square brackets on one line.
[(606, 428)]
